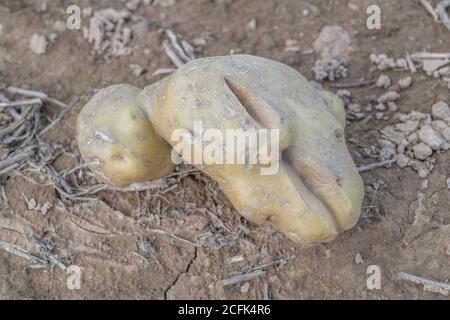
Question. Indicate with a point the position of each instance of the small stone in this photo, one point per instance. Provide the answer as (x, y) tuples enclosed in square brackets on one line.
[(441, 111), (423, 173), (431, 137), (354, 108), (38, 44), (424, 184), (386, 143), (379, 115), (328, 251), (422, 151), (392, 106), (245, 287), (431, 65), (405, 83), (407, 127), (413, 138), (359, 259), (389, 96), (380, 107), (442, 128), (448, 183), (53, 37), (402, 160), (384, 81), (343, 93), (251, 25)]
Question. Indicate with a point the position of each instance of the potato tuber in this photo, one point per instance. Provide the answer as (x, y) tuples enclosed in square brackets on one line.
[(316, 192)]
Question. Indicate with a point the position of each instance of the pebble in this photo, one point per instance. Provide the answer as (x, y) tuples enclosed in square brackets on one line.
[(384, 81), (422, 151), (431, 137), (424, 184), (251, 25), (38, 44), (389, 96), (380, 107), (441, 111), (392, 106), (402, 160), (405, 83)]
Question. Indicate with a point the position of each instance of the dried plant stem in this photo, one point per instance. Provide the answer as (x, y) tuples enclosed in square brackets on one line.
[(20, 103), (243, 277), (375, 165), (36, 94), (429, 285)]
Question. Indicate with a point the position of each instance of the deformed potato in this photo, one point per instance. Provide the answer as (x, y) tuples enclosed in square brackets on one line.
[(315, 194), (117, 140)]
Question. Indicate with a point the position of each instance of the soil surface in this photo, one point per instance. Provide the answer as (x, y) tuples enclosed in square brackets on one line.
[(133, 244)]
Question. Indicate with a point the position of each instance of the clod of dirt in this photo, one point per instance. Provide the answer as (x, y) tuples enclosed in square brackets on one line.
[(422, 151), (384, 81), (405, 83), (389, 96), (334, 45), (431, 137), (330, 69), (251, 25), (333, 42), (38, 44), (441, 111), (430, 66), (416, 137), (383, 62)]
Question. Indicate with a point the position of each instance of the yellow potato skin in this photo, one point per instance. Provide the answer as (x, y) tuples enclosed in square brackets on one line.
[(117, 140), (317, 192)]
